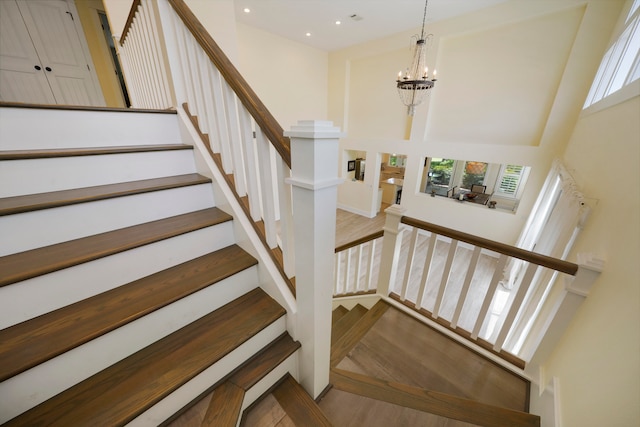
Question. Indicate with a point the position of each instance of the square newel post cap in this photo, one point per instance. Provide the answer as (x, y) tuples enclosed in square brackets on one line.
[(314, 129)]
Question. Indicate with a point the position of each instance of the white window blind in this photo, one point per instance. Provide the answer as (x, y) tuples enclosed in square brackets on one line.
[(510, 177)]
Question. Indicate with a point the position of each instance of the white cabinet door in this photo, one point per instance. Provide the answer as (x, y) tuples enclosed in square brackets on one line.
[(20, 80), (49, 26)]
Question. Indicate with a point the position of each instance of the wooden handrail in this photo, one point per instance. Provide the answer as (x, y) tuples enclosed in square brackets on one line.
[(127, 26), (361, 240), (246, 95), (539, 259)]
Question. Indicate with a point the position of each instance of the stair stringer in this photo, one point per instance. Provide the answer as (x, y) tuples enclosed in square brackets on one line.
[(270, 278)]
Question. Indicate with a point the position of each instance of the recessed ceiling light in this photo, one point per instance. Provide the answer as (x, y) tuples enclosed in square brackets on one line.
[(338, 22), (308, 34), (246, 10)]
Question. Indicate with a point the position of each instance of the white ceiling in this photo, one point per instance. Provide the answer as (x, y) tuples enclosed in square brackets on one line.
[(292, 19)]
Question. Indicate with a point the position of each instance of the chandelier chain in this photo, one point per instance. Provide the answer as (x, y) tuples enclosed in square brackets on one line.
[(424, 19)]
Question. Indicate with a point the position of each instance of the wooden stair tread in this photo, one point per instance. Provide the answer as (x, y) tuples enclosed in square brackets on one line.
[(298, 405), (126, 389), (222, 410), (350, 338), (225, 406), (89, 151), (346, 322), (337, 313), (433, 402), (36, 262), (264, 362), (32, 342), (32, 202)]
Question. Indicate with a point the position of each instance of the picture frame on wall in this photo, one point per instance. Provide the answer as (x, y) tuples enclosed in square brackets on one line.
[(351, 165)]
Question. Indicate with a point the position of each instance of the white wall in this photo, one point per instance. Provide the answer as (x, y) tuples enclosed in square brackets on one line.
[(598, 361), (511, 82), (290, 78)]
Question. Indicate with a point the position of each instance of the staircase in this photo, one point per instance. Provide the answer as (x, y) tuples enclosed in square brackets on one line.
[(124, 296)]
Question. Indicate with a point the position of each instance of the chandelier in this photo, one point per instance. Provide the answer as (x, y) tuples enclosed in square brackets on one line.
[(414, 85)]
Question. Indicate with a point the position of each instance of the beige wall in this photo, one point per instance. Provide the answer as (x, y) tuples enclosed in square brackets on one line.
[(105, 68), (511, 82), (598, 361), (290, 78)]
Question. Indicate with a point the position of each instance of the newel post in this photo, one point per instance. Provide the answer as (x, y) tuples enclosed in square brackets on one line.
[(314, 180), (391, 243)]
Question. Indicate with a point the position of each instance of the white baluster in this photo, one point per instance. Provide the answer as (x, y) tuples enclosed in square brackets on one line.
[(221, 120), (165, 87), (392, 242), (236, 143), (488, 297), (147, 75), (251, 167), (147, 43), (286, 215), (433, 238), (410, 257), (337, 273), (369, 277), (268, 194), (181, 50), (205, 74), (515, 306), (358, 268), (445, 277), (194, 74), (347, 272), (199, 68), (137, 64), (124, 53), (473, 263)]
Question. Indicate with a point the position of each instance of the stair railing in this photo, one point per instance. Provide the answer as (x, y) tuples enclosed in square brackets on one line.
[(454, 279), (357, 266), (143, 59), (240, 131), (255, 157)]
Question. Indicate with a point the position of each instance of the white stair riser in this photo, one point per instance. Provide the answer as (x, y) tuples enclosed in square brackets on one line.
[(26, 390), (29, 129), (30, 298), (192, 389), (33, 176), (30, 230), (290, 365)]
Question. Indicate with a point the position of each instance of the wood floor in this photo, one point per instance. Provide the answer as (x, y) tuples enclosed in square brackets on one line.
[(350, 226)]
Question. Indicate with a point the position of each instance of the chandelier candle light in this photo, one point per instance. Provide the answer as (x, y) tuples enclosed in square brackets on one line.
[(414, 85)]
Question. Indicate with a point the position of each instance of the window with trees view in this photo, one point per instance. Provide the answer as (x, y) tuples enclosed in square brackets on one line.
[(505, 183)]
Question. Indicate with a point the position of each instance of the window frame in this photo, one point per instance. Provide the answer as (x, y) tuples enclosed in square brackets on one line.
[(608, 87)]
